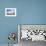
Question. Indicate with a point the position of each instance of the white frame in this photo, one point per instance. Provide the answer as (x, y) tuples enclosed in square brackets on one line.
[(10, 8), (19, 31)]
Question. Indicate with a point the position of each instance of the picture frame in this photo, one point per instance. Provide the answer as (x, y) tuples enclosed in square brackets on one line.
[(10, 12), (39, 28)]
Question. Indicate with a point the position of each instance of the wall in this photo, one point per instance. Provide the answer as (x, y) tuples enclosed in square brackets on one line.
[(28, 12)]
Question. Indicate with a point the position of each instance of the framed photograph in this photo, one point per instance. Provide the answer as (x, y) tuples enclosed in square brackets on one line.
[(10, 11), (32, 32)]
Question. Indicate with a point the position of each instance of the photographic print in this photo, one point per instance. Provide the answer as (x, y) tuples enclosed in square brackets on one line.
[(29, 34), (10, 11)]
